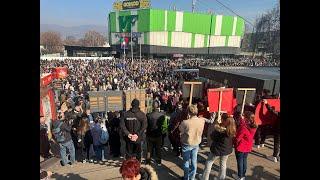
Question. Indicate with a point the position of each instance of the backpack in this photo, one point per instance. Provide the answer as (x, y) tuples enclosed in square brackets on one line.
[(104, 137), (165, 124), (58, 133)]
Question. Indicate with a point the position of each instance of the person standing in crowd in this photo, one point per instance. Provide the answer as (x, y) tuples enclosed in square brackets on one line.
[(221, 147), (96, 132), (104, 138), (61, 132), (114, 142), (133, 124), (175, 132), (44, 140), (262, 129), (154, 133), (88, 140), (276, 133), (84, 141), (131, 169), (243, 143), (191, 135)]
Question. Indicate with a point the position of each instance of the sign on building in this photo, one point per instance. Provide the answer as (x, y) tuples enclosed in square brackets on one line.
[(131, 4)]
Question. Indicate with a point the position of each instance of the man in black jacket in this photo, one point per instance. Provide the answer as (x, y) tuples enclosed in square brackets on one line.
[(61, 131), (154, 133), (133, 125), (276, 133)]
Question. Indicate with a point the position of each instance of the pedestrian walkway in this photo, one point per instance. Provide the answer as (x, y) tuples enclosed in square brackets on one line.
[(259, 167)]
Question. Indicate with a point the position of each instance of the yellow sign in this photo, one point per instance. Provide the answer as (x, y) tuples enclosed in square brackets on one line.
[(131, 4)]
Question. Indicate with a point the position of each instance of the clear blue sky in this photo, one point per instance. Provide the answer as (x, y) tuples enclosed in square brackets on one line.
[(94, 12)]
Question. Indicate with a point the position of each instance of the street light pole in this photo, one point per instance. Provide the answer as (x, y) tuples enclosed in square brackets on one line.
[(140, 51), (131, 48)]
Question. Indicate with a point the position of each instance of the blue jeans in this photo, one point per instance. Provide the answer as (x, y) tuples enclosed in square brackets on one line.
[(63, 152), (189, 153), (241, 163), (98, 151)]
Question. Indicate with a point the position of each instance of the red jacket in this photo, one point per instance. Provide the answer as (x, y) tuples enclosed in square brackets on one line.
[(244, 137)]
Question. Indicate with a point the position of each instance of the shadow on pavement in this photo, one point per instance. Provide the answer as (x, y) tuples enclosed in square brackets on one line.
[(69, 176), (253, 152), (55, 149), (165, 172), (258, 173)]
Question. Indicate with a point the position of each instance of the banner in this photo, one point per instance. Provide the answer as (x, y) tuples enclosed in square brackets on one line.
[(46, 79), (47, 106), (61, 72), (197, 91), (227, 103), (263, 116)]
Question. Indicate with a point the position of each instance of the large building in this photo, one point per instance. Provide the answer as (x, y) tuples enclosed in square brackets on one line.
[(164, 32)]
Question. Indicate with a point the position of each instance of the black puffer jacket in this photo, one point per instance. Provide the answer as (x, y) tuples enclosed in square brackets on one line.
[(134, 121), (221, 143), (155, 120)]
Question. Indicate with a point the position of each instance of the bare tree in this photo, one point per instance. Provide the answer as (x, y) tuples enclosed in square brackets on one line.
[(51, 41), (267, 35), (71, 41), (93, 38)]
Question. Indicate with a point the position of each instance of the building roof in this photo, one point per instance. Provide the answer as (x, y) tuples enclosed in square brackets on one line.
[(263, 73)]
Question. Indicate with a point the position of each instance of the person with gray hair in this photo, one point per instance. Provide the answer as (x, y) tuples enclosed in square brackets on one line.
[(191, 135)]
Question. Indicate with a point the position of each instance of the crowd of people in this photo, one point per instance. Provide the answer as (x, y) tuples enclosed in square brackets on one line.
[(78, 131)]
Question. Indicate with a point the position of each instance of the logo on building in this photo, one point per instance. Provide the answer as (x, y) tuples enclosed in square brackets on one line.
[(131, 4)]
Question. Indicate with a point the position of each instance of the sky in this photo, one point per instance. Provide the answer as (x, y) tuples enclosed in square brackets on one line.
[(94, 12)]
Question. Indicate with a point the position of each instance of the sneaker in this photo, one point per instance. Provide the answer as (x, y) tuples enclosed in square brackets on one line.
[(257, 146), (159, 165), (235, 176), (61, 163), (91, 160), (84, 161), (262, 145), (272, 158)]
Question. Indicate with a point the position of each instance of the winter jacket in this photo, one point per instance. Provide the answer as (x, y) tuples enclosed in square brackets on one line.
[(66, 129), (96, 134), (244, 137), (154, 123), (222, 144), (148, 173), (191, 131), (88, 140), (134, 121), (277, 123)]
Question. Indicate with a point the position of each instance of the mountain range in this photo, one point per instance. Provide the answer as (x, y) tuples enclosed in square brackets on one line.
[(76, 31)]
